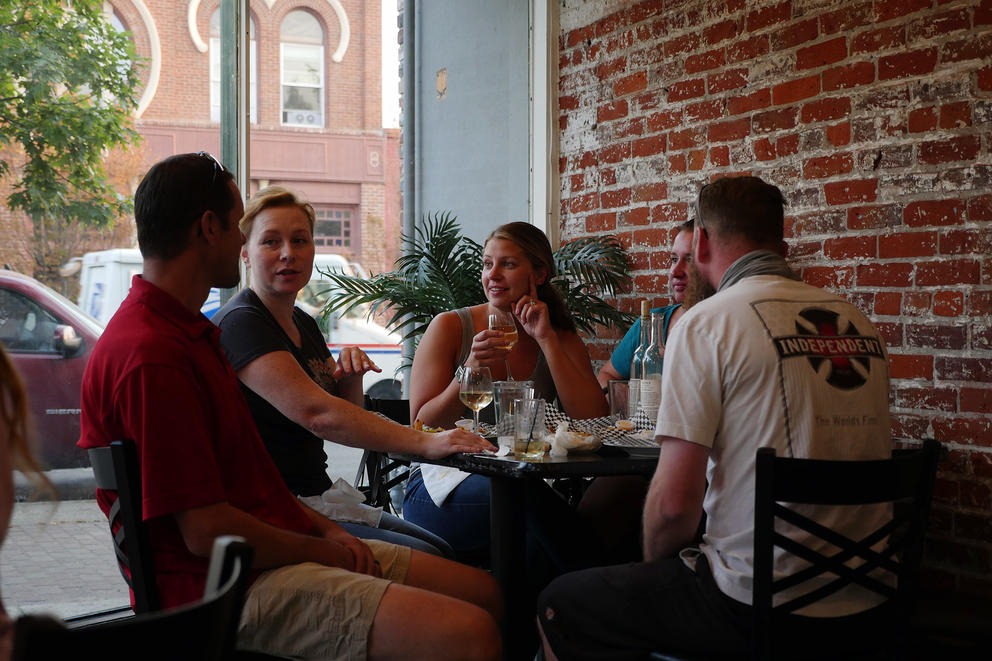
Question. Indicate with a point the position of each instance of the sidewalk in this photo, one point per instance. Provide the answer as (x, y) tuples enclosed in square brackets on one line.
[(58, 558)]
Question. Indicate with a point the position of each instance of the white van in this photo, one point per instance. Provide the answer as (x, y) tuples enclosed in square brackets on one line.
[(105, 278)]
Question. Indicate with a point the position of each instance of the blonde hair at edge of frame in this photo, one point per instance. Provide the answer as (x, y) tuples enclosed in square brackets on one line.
[(15, 426)]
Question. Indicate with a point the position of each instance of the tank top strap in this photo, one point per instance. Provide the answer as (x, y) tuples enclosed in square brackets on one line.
[(468, 328)]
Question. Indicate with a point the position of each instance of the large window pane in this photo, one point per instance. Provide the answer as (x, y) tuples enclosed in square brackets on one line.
[(215, 69)]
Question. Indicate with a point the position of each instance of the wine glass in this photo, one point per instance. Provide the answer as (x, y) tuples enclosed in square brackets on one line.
[(502, 321), (476, 391)]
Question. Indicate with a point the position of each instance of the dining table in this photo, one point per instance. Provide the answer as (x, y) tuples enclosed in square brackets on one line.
[(508, 547)]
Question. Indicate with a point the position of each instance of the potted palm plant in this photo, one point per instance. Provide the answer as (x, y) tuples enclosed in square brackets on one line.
[(441, 270)]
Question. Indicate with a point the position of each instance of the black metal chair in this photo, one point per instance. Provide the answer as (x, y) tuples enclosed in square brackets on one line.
[(202, 631), (115, 468), (886, 561), (378, 473)]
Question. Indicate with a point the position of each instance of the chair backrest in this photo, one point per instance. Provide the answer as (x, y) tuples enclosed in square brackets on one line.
[(115, 468), (906, 481), (394, 409), (382, 472), (202, 631)]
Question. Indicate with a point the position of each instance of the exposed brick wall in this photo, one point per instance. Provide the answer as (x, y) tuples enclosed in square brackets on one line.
[(873, 117)]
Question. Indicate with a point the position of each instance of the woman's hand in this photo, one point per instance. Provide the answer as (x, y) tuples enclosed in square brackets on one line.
[(353, 362), (442, 444), (533, 314), (488, 350)]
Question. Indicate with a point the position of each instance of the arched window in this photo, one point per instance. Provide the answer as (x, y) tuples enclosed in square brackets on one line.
[(115, 20), (302, 51), (215, 69)]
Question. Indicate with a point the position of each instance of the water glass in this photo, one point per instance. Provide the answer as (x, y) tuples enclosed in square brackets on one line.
[(505, 394), (622, 398), (528, 438)]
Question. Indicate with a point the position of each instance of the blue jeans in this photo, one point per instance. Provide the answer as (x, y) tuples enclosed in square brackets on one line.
[(395, 530), (462, 520), (557, 539)]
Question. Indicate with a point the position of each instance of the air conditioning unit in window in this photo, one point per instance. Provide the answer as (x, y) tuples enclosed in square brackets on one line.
[(305, 118)]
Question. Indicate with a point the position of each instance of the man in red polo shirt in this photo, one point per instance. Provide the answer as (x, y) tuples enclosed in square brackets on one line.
[(159, 377)]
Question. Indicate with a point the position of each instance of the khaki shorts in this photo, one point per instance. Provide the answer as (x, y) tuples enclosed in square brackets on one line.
[(310, 611)]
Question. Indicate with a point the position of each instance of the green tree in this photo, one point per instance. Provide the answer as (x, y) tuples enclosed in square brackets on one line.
[(67, 98)]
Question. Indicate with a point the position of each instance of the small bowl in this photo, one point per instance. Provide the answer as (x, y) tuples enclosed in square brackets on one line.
[(464, 424)]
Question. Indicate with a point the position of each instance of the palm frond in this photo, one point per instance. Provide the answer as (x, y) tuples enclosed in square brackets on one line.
[(589, 268), (599, 262)]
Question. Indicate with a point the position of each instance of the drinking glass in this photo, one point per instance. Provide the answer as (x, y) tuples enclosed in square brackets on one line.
[(476, 391), (504, 394), (619, 393), (529, 432), (503, 321)]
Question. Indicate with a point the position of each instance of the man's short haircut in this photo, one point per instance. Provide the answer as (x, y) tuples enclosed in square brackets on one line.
[(745, 207), (173, 195), (686, 226)]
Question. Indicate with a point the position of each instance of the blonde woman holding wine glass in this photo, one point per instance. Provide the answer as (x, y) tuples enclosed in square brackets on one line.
[(517, 268)]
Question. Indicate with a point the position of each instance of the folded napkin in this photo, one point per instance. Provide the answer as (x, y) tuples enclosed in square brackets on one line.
[(343, 502), (441, 481)]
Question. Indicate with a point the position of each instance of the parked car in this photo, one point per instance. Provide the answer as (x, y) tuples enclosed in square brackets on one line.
[(49, 340)]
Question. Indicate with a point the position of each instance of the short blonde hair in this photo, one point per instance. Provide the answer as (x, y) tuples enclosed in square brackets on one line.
[(270, 197)]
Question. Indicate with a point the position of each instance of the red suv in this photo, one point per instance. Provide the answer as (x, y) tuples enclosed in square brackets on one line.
[(49, 340)]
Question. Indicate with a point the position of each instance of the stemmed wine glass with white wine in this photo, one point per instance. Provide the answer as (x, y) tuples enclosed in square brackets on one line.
[(502, 321), (476, 391)]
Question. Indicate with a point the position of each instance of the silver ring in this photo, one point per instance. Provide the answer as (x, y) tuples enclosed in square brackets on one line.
[(532, 302)]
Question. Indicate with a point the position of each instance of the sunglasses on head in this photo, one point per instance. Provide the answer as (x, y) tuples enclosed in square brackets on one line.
[(217, 165)]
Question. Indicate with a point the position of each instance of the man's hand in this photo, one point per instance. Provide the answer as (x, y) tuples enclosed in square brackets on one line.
[(364, 561)]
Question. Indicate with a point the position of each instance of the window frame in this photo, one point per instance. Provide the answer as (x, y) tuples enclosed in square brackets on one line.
[(214, 56), (319, 56)]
